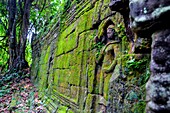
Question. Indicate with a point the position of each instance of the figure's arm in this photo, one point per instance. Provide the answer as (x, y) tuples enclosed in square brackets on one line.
[(111, 67), (114, 63)]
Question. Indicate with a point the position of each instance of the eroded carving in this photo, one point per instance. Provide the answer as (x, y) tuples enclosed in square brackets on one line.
[(108, 60)]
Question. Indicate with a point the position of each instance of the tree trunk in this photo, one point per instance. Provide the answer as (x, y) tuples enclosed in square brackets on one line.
[(24, 32), (12, 32), (17, 51)]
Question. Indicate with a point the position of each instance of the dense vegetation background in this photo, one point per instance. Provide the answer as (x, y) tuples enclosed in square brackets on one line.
[(20, 20)]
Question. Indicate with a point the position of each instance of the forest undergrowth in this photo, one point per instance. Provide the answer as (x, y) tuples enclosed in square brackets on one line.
[(18, 94)]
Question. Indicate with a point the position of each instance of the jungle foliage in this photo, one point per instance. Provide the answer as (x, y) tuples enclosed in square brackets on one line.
[(19, 21)]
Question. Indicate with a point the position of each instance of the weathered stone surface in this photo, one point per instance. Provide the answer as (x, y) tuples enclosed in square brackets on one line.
[(122, 7), (75, 93), (161, 52), (151, 19), (119, 6), (149, 15)]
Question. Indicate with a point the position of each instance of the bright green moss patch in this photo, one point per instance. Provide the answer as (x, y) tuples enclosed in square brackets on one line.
[(62, 109)]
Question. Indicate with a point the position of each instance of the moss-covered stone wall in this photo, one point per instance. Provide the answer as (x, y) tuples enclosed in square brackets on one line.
[(64, 67)]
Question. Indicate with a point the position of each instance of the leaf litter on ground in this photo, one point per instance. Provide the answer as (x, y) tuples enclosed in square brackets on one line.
[(19, 95)]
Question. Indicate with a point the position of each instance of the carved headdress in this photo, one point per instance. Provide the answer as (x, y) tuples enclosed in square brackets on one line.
[(111, 26)]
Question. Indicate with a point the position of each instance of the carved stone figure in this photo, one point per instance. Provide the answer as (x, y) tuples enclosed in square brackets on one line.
[(150, 18), (108, 59)]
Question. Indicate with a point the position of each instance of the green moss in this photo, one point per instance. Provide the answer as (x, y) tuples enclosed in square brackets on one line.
[(55, 63), (62, 109), (89, 102), (42, 74), (89, 41), (69, 58), (101, 29), (49, 104), (56, 75), (85, 21), (43, 77), (82, 38), (60, 47), (74, 75), (96, 12), (47, 55), (83, 95), (72, 58), (70, 111), (50, 81), (71, 41), (84, 70), (60, 62), (63, 78), (105, 11), (65, 92), (65, 61), (89, 20), (68, 30), (91, 69), (34, 70), (81, 25), (86, 6), (76, 56), (75, 93), (91, 78), (42, 57)]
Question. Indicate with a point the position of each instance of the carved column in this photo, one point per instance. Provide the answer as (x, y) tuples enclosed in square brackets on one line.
[(151, 19)]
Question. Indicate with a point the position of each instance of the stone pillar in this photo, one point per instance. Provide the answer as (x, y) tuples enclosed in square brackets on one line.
[(151, 19)]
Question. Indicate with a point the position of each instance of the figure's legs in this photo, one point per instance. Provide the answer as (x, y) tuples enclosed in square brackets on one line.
[(106, 86)]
